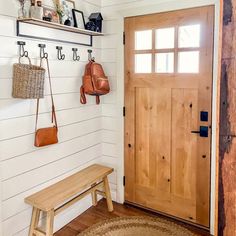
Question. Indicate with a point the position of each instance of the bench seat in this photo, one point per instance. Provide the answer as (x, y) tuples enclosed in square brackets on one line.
[(61, 195)]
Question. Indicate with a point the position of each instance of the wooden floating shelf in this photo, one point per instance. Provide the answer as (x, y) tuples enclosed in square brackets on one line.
[(58, 26)]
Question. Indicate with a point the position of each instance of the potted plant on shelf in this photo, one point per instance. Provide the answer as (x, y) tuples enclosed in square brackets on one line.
[(59, 10)]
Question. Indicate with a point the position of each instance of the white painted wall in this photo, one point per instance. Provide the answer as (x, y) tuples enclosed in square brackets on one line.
[(24, 168), (114, 12)]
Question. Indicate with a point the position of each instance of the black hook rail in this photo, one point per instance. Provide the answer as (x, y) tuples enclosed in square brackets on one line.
[(43, 54), (60, 56), (22, 51), (76, 57)]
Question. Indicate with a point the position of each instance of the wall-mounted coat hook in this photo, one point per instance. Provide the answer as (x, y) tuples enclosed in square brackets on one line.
[(76, 57), (90, 57), (22, 51), (43, 54), (60, 56)]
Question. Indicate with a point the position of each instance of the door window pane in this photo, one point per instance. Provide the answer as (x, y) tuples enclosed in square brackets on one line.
[(165, 38), (189, 62), (189, 36), (143, 63), (143, 40), (165, 62)]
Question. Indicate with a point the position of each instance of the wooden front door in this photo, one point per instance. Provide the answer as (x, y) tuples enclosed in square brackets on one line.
[(168, 92)]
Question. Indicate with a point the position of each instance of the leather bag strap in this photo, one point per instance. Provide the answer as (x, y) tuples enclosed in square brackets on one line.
[(97, 100), (91, 74), (83, 99), (54, 118)]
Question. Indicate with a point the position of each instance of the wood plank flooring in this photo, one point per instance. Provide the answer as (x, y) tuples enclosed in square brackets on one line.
[(96, 214)]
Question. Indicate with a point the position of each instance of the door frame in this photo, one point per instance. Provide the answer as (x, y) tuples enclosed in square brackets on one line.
[(158, 8)]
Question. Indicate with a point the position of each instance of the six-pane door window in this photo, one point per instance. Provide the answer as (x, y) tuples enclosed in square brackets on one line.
[(174, 50)]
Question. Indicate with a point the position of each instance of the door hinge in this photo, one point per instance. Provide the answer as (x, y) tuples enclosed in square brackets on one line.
[(124, 111), (123, 38), (123, 180)]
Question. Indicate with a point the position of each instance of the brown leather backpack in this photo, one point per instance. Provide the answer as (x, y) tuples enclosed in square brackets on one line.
[(95, 82)]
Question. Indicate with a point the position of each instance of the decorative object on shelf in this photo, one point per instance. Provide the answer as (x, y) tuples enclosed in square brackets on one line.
[(60, 56), (46, 136), (91, 26), (97, 19), (45, 18), (59, 10), (67, 6), (22, 13), (76, 57), (78, 17), (28, 79), (95, 82), (50, 13), (68, 22), (36, 11)]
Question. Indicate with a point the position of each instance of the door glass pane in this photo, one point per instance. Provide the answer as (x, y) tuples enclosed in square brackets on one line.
[(165, 62), (165, 38), (143, 40), (189, 36), (143, 63), (189, 62)]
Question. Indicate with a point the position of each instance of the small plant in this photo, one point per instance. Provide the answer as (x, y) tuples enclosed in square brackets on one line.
[(59, 9)]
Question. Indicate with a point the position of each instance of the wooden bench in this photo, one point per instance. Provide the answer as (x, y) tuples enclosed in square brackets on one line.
[(63, 194)]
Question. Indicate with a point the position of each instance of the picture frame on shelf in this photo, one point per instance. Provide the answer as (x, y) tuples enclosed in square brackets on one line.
[(50, 13), (79, 21), (67, 6)]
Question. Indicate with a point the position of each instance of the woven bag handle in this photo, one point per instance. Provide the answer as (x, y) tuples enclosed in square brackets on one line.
[(54, 118), (28, 60)]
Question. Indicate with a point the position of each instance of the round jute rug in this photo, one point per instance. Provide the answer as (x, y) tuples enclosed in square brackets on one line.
[(136, 226)]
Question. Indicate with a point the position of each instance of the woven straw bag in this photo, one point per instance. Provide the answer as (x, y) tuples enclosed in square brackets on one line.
[(28, 81)]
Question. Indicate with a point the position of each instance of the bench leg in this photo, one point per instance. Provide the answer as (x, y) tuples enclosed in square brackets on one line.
[(49, 223), (108, 194), (94, 196), (34, 221)]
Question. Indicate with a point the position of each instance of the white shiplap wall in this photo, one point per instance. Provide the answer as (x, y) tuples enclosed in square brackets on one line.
[(114, 12), (24, 168)]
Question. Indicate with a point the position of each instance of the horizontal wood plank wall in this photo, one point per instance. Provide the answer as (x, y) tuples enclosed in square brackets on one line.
[(24, 168)]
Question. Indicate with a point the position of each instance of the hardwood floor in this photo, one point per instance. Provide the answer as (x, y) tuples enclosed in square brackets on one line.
[(96, 214)]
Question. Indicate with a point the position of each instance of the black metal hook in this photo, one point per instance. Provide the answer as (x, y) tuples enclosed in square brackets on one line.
[(22, 51), (60, 56), (90, 57), (76, 57), (43, 54)]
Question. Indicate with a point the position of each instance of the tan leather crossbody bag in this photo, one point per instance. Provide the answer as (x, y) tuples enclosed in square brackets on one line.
[(46, 136)]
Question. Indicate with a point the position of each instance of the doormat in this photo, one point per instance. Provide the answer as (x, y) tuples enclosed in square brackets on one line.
[(136, 226)]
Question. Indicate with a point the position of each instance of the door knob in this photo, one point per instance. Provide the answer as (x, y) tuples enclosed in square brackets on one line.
[(203, 131)]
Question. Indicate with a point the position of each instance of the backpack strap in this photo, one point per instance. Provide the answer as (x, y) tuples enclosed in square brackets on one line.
[(97, 100), (83, 99)]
